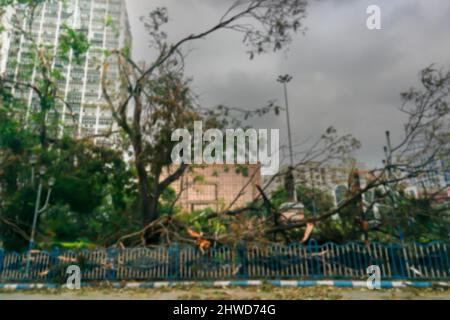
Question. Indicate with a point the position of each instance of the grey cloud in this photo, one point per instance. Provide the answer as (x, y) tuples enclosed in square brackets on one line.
[(344, 74)]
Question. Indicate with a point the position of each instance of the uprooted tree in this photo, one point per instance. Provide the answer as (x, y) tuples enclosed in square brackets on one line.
[(152, 101), (265, 25), (161, 101), (399, 216), (424, 143), (158, 95)]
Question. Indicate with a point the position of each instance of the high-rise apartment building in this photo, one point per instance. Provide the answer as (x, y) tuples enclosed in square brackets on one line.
[(81, 108), (5, 15)]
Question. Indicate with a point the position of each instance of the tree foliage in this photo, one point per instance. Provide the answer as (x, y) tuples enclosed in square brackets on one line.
[(102, 198)]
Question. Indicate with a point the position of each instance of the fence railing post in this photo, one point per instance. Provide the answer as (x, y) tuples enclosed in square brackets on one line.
[(244, 254), (53, 265), (393, 263), (170, 254), (311, 258), (111, 271), (446, 260), (174, 261), (241, 253), (2, 257)]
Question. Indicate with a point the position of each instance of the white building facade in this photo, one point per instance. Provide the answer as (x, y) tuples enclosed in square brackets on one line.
[(5, 37), (433, 167), (81, 108)]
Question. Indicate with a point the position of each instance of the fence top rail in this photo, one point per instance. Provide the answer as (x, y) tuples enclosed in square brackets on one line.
[(311, 244)]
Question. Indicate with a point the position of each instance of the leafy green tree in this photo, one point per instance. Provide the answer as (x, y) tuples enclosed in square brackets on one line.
[(92, 192)]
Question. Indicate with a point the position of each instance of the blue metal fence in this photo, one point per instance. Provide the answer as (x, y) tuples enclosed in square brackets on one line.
[(274, 261)]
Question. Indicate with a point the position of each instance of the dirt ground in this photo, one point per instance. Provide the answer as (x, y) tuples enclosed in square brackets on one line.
[(237, 293)]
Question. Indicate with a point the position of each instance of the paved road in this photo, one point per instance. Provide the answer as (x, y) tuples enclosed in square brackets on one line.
[(231, 294)]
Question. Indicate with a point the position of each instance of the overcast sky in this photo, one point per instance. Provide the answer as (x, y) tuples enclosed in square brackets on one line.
[(344, 74)]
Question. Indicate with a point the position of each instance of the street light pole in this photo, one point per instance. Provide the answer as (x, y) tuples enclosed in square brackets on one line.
[(35, 217), (33, 161), (285, 80), (288, 124), (37, 212)]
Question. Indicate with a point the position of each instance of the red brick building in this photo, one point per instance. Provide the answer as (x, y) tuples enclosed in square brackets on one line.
[(217, 186)]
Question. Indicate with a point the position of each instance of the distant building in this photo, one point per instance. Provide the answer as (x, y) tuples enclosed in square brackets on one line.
[(324, 177), (434, 170), (436, 176), (106, 26), (5, 37), (217, 187)]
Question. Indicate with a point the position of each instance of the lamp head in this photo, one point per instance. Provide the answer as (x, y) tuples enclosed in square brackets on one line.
[(284, 79), (33, 160)]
